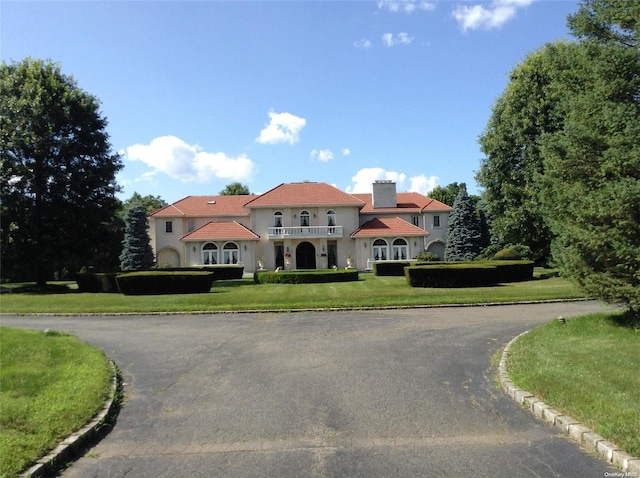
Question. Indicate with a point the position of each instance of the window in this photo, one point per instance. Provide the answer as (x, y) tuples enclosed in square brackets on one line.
[(277, 219), (380, 250), (209, 254), (436, 221), (230, 253), (191, 225), (415, 220), (168, 227), (304, 218), (400, 250), (331, 217)]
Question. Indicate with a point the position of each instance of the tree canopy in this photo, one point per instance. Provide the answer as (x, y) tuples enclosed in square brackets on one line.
[(149, 202), (57, 175), (235, 189)]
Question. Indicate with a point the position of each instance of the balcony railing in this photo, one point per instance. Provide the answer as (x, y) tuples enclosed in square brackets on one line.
[(304, 231)]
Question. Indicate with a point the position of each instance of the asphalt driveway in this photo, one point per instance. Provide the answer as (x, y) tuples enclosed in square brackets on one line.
[(361, 394)]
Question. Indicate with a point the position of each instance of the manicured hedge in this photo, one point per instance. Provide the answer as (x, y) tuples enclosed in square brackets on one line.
[(97, 282), (468, 274), (305, 277), (164, 282), (390, 268), (220, 272)]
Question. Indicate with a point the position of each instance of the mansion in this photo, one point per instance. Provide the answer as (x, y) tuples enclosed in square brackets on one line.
[(299, 226)]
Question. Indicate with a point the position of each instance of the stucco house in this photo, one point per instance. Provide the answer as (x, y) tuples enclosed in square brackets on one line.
[(299, 226)]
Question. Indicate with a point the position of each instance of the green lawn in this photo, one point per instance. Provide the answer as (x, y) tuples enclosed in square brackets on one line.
[(237, 295), (51, 384), (588, 369)]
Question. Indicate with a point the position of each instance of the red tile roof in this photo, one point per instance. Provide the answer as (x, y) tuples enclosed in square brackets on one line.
[(388, 226), (221, 230), (407, 202), (305, 194), (208, 206)]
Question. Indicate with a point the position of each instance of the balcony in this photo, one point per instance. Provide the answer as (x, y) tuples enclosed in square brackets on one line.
[(306, 232)]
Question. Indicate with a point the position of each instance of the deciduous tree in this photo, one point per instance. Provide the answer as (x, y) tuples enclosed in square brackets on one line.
[(57, 175)]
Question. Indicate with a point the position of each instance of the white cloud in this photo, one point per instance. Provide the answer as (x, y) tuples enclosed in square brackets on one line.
[(423, 184), (494, 15), (282, 128), (188, 163), (364, 44), (406, 6), (402, 38), (365, 177), (346, 151), (323, 155)]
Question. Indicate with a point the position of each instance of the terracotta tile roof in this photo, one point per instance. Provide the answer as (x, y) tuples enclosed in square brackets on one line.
[(221, 230), (388, 226), (305, 194), (407, 202), (209, 206)]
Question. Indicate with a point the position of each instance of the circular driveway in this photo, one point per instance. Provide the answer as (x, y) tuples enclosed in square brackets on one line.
[(397, 393)]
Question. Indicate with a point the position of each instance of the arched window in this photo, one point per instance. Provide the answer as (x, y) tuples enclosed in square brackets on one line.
[(331, 217), (400, 250), (230, 253), (380, 250), (277, 219), (209, 253), (304, 218)]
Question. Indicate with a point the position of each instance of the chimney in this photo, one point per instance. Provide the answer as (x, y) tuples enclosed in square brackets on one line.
[(384, 194)]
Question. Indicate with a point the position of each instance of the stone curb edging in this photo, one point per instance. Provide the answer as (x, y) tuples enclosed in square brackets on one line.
[(71, 447), (575, 430)]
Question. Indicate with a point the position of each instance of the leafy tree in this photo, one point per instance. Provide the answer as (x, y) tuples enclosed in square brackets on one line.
[(612, 22), (136, 248), (149, 202), (446, 194), (524, 113), (464, 239), (235, 189), (57, 175)]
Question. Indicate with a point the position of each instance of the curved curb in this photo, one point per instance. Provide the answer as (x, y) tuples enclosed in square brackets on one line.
[(575, 430), (73, 445)]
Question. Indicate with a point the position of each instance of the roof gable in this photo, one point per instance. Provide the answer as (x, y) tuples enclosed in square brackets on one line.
[(388, 226), (304, 194), (221, 230)]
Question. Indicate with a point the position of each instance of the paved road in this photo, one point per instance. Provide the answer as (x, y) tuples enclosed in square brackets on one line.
[(360, 394)]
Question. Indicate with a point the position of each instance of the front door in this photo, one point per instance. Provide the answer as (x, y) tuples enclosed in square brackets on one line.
[(332, 253), (305, 256)]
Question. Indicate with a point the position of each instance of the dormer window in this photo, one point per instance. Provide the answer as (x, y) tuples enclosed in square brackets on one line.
[(304, 218)]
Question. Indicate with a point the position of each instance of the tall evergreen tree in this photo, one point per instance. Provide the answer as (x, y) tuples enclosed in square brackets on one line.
[(136, 249), (464, 237)]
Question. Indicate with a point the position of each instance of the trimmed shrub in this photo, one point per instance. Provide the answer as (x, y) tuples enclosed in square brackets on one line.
[(513, 253), (164, 282), (468, 274), (97, 282), (389, 268), (220, 272), (512, 271), (427, 256), (305, 277)]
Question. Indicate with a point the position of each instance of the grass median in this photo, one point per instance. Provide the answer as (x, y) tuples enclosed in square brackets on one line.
[(588, 369), (51, 384), (244, 294)]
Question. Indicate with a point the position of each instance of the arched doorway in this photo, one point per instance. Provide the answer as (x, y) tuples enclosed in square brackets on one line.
[(168, 257), (305, 256)]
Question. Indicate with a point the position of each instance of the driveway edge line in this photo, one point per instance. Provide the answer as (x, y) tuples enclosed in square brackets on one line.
[(573, 429), (73, 446)]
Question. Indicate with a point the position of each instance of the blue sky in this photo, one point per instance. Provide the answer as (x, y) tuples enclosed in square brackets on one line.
[(201, 94)]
